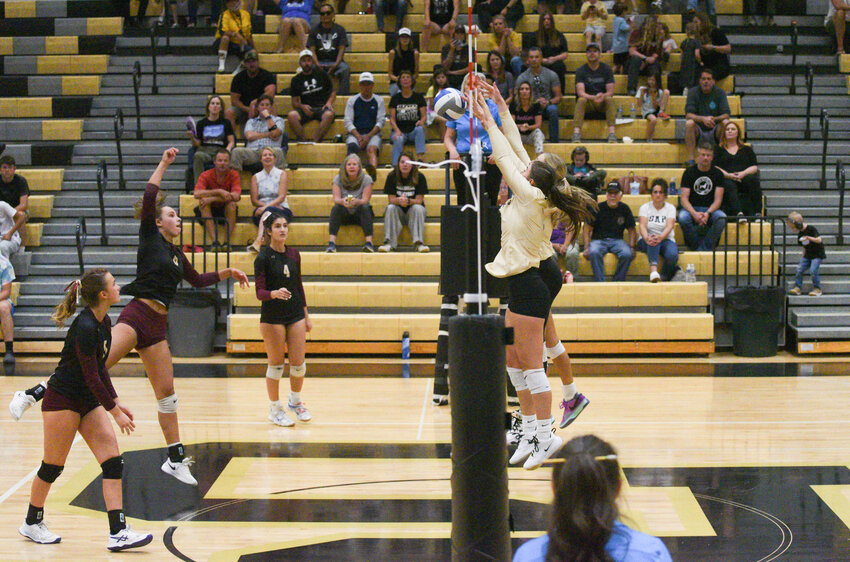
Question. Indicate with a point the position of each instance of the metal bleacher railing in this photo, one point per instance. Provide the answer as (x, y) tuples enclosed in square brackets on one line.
[(795, 35), (824, 131), (137, 83), (840, 180), (810, 83), (195, 221), (102, 178), (118, 128), (81, 235)]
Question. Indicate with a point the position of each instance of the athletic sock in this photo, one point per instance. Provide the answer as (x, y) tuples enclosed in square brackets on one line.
[(570, 391), (275, 404), (222, 55), (116, 521), (294, 398), (34, 515), (544, 430), (176, 453), (37, 391), (529, 425)]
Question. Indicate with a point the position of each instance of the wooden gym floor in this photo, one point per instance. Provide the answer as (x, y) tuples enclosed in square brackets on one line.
[(726, 460)]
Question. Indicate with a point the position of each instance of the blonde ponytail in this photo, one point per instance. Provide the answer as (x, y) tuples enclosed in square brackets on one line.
[(82, 291)]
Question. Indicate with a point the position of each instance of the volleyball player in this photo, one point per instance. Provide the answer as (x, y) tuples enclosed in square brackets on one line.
[(142, 325), (284, 320), (79, 395), (533, 282)]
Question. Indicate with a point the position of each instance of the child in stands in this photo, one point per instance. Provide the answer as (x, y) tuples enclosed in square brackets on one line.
[(813, 253)]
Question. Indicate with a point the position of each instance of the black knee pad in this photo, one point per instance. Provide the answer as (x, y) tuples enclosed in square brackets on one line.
[(113, 468), (49, 472)]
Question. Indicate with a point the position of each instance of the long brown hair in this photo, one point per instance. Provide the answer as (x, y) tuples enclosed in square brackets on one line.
[(412, 177), (573, 203), (547, 37), (84, 291), (740, 140), (158, 205)]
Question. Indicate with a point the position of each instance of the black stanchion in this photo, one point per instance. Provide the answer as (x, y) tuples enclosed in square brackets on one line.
[(448, 310), (824, 131), (101, 188), (137, 83), (118, 127), (154, 87), (81, 234)]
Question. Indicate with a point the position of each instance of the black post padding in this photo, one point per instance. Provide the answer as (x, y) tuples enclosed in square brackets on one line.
[(480, 516), (453, 252), (448, 309)]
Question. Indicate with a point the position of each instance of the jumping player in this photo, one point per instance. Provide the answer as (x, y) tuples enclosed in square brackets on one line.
[(79, 395), (284, 320), (142, 325)]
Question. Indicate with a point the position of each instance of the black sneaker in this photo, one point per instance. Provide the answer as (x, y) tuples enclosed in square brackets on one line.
[(9, 358), (331, 248), (368, 247)]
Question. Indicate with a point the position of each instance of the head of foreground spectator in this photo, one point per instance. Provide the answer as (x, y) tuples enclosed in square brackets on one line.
[(7, 168)]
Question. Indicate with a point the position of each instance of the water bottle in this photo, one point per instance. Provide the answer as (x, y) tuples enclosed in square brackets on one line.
[(672, 189), (405, 355), (619, 112), (634, 188), (690, 274), (633, 111)]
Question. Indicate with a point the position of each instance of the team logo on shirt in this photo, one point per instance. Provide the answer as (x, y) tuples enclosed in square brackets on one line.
[(176, 261), (703, 185), (621, 221), (311, 86)]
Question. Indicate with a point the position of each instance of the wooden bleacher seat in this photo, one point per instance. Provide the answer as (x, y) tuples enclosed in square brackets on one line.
[(31, 236), (40, 206), (43, 129), (844, 63), (43, 179)]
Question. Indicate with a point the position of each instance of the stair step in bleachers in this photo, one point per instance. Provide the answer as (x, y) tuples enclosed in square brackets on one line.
[(59, 26), (71, 106), (23, 85), (29, 130), (55, 64)]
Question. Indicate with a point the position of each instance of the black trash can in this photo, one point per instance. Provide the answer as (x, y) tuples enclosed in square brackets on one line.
[(191, 322), (756, 314)]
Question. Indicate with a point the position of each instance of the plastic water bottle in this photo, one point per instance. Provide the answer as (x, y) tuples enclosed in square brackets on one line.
[(672, 188), (633, 111), (405, 355), (690, 274)]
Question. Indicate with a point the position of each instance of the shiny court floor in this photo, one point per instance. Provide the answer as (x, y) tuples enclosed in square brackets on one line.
[(724, 461)]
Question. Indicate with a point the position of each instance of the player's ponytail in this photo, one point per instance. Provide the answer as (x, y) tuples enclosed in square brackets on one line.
[(83, 291), (574, 203)]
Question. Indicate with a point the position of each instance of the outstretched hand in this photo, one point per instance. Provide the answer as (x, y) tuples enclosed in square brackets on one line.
[(169, 155), (240, 276), (494, 94), (480, 108)]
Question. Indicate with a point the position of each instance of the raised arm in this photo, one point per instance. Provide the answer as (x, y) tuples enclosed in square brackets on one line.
[(508, 125)]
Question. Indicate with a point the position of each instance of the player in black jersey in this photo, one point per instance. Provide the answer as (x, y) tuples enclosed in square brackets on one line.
[(79, 395), (284, 320), (142, 325)]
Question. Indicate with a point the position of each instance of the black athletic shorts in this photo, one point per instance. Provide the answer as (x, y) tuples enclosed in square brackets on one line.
[(532, 292)]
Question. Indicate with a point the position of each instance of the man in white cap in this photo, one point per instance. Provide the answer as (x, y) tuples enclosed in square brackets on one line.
[(313, 97), (364, 117), (329, 41)]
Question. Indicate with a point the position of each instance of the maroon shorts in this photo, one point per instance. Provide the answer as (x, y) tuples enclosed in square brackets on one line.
[(55, 402), (150, 325)]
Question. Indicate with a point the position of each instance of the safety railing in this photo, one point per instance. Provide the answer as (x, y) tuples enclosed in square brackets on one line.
[(154, 87), (220, 259), (118, 127), (101, 188), (81, 234), (810, 84), (824, 131), (795, 36), (840, 179), (137, 83)]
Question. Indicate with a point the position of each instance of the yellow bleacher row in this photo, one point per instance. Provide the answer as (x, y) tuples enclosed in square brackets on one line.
[(844, 64), (53, 45), (43, 179), (335, 294)]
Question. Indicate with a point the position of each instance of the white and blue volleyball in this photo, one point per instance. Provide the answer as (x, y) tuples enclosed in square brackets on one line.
[(449, 104)]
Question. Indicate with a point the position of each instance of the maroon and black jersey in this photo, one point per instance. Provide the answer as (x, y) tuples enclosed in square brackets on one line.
[(274, 270), (160, 265), (81, 374)]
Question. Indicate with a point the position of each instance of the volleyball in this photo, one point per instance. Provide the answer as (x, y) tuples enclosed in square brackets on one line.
[(449, 104)]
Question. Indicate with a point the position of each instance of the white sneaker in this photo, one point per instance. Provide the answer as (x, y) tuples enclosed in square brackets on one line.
[(543, 451), (221, 65), (278, 417), (654, 277), (180, 470), (422, 248), (39, 533), (384, 248), (524, 449), (20, 403), (301, 411), (128, 538)]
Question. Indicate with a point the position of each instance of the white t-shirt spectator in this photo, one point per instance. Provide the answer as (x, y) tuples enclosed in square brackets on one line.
[(7, 221), (656, 219), (268, 186), (7, 272)]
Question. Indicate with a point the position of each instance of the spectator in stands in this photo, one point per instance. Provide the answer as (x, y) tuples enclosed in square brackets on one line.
[(715, 48), (559, 6), (11, 221), (209, 134), (751, 10), (218, 192), (328, 41), (621, 29), (594, 14), (454, 57), (269, 188), (440, 19), (501, 78), (313, 98), (294, 18), (352, 190), (687, 77), (405, 188), (528, 116), (513, 10), (656, 219), (594, 89), (397, 7), (7, 309), (364, 117), (553, 46), (667, 42), (402, 57), (581, 173), (264, 130), (566, 249), (585, 513), (838, 14), (645, 53), (439, 81), (706, 107), (246, 87), (506, 42), (233, 34), (546, 88), (738, 163), (14, 188), (604, 234), (813, 254), (700, 198), (653, 104), (408, 111)]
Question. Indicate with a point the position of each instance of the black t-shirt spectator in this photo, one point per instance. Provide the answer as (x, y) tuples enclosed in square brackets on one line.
[(743, 159), (702, 185), (326, 42), (214, 133), (712, 59), (811, 250), (611, 223), (11, 192), (548, 49), (405, 189), (594, 81), (312, 89), (407, 110), (249, 88), (526, 116), (459, 62)]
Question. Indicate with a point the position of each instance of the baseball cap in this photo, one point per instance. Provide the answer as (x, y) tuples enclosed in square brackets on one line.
[(251, 55), (613, 187), (305, 53), (592, 46), (366, 77), (404, 31)]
